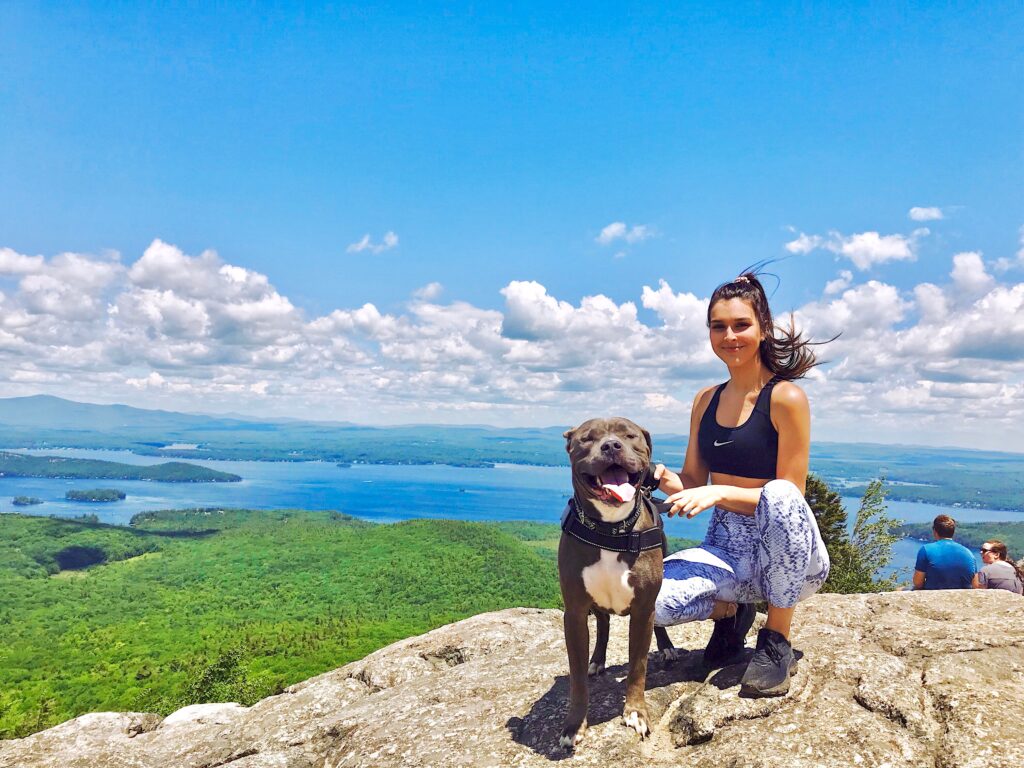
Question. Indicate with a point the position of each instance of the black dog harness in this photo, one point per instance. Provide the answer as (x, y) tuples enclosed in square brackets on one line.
[(620, 536)]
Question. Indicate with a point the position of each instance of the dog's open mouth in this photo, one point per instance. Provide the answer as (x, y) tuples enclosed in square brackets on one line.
[(615, 484)]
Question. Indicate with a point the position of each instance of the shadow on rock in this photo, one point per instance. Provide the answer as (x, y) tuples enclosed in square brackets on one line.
[(541, 727)]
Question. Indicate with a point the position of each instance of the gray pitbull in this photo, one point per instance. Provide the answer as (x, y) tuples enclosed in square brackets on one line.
[(610, 460)]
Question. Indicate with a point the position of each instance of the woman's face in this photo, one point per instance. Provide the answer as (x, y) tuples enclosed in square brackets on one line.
[(988, 555), (735, 333)]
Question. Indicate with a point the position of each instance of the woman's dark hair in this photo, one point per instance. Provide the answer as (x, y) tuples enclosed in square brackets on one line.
[(1003, 554), (784, 351)]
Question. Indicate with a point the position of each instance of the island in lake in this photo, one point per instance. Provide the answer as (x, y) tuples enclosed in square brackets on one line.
[(25, 501), (96, 494), (24, 465)]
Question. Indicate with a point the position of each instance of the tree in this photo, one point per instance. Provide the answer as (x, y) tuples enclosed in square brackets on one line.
[(856, 559), (828, 510)]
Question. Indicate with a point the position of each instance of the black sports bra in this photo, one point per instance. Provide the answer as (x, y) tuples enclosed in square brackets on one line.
[(749, 450)]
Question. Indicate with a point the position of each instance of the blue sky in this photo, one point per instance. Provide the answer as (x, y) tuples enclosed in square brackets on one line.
[(496, 143)]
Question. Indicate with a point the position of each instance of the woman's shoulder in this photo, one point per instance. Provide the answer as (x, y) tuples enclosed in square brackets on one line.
[(703, 399), (704, 395), (789, 406), (788, 394)]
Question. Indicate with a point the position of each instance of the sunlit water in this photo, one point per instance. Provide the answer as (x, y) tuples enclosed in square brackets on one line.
[(380, 493)]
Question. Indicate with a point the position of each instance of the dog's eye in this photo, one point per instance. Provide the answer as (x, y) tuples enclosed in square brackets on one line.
[(631, 437), (586, 439)]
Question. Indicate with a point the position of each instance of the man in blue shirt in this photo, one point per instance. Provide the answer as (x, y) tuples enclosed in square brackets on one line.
[(944, 564)]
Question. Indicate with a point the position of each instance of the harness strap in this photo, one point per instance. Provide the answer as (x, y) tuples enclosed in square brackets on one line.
[(585, 529)]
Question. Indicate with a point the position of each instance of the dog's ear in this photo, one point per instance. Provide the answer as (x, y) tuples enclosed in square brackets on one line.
[(568, 439), (647, 437)]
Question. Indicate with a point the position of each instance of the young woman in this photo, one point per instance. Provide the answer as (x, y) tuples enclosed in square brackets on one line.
[(998, 571), (747, 461)]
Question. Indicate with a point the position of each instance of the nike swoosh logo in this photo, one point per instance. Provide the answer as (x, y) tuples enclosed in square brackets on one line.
[(719, 445)]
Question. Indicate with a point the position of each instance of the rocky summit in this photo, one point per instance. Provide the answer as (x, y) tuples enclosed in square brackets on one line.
[(899, 679)]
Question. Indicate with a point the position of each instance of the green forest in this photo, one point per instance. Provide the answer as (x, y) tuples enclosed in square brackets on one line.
[(199, 605), (23, 465), (103, 495)]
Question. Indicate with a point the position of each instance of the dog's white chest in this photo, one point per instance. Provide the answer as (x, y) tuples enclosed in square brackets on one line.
[(607, 582)]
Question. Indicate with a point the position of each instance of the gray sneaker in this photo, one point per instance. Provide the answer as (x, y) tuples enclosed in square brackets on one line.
[(770, 667), (726, 645)]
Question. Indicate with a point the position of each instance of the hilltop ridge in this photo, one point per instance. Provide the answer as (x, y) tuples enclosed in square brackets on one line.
[(894, 679)]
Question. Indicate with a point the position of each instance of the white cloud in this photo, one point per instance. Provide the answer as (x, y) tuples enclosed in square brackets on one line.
[(864, 249), (194, 333), (969, 276), (12, 263), (805, 243), (428, 292), (389, 241), (925, 214), (840, 284), (1004, 264), (659, 401), (618, 230), (869, 248)]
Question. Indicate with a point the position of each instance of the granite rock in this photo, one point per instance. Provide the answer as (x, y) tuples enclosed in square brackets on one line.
[(897, 679)]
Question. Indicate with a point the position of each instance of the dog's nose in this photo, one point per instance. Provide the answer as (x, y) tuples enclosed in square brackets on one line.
[(611, 445)]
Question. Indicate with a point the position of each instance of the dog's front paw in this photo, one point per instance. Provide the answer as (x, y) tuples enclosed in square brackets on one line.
[(595, 668), (668, 655), (571, 736), (637, 720)]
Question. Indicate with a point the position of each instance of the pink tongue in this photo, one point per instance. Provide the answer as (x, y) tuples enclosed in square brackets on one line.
[(623, 492), (615, 480)]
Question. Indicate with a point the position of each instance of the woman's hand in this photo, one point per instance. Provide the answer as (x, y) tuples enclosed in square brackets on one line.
[(668, 481), (693, 501)]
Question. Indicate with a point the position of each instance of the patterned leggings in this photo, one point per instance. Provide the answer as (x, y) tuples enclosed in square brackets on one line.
[(777, 555)]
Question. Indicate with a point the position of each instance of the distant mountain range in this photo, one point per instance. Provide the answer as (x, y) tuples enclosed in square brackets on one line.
[(50, 412)]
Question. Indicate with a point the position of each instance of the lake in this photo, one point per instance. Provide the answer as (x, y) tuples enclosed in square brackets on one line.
[(380, 493)]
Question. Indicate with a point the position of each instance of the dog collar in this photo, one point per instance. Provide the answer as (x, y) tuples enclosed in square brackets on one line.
[(611, 529), (615, 537)]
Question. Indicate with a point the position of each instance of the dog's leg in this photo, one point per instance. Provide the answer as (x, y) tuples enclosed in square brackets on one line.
[(597, 661), (641, 627), (577, 642), (669, 652)]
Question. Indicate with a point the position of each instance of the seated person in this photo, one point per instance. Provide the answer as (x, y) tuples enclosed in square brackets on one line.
[(944, 564), (998, 571)]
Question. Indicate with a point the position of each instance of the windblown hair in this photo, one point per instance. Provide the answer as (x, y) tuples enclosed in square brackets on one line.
[(1003, 554), (784, 351)]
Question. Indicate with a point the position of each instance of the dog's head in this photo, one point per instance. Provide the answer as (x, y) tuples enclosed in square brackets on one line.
[(609, 458)]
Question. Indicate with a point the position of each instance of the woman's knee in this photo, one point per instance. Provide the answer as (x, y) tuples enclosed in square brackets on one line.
[(779, 490)]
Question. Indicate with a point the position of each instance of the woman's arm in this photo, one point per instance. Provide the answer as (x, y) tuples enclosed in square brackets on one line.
[(791, 415), (694, 472)]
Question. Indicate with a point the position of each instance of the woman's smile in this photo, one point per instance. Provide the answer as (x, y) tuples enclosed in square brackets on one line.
[(734, 329)]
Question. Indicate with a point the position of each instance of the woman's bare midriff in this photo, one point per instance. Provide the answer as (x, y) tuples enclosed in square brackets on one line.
[(717, 478)]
